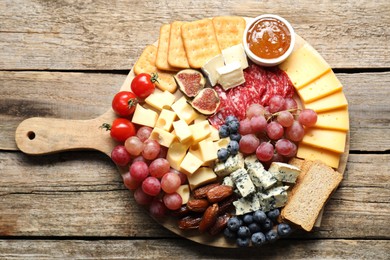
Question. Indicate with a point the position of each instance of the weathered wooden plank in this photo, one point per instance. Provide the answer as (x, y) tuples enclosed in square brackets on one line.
[(174, 248), (88, 95), (81, 194), (101, 35)]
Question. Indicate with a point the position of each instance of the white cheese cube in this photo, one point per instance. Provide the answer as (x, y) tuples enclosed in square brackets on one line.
[(252, 161), (235, 53), (261, 178), (231, 75), (284, 172), (277, 197), (243, 182), (247, 204), (210, 69)]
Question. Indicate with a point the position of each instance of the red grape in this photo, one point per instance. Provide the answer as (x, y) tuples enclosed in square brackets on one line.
[(284, 147), (170, 182), (245, 127), (143, 133), (151, 149), (157, 209), (151, 186), (254, 110), (163, 152), (120, 156), (172, 201), (183, 177), (285, 118), (258, 124), (140, 159), (307, 117), (159, 167), (134, 145), (141, 197), (248, 143), (276, 103), (265, 151), (290, 103), (139, 170), (295, 132), (275, 130), (130, 182)]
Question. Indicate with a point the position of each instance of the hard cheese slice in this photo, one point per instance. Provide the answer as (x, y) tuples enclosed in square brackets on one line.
[(313, 153), (331, 140), (337, 119), (330, 102)]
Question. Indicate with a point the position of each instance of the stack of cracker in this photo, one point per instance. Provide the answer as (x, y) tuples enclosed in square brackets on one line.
[(183, 45)]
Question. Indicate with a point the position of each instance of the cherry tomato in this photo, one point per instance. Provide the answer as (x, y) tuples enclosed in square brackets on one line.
[(143, 84), (121, 129), (124, 103)]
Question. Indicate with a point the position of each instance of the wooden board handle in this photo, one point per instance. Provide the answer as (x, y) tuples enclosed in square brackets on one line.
[(48, 135)]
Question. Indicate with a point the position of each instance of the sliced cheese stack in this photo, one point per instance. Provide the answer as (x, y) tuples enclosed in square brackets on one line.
[(319, 90), (191, 141)]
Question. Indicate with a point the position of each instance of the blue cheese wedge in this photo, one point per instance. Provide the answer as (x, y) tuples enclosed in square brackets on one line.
[(261, 178), (228, 181), (243, 182), (232, 164), (284, 172), (247, 204), (276, 197), (251, 161)]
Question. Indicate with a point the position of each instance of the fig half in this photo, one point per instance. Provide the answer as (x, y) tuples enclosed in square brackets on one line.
[(190, 82), (206, 102)]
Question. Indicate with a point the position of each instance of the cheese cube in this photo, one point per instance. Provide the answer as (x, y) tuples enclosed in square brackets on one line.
[(235, 53), (176, 153), (321, 87), (208, 151), (337, 119), (200, 131), (304, 65), (231, 75), (200, 118), (312, 153), (210, 69), (144, 116), (182, 131), (184, 192), (331, 140), (284, 172), (190, 164), (247, 204), (163, 137), (233, 163), (330, 102), (243, 182), (201, 177), (222, 143), (214, 134), (261, 178), (184, 110), (160, 100), (165, 120)]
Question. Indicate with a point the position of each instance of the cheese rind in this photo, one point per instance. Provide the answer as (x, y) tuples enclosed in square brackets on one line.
[(331, 140), (144, 116), (210, 69)]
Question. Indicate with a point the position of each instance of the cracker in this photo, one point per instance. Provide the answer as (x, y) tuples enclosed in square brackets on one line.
[(162, 49), (176, 53), (147, 64), (200, 42), (229, 30)]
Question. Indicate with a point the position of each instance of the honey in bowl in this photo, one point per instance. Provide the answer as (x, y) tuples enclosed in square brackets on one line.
[(268, 40)]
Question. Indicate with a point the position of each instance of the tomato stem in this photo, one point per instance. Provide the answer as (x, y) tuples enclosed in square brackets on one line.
[(106, 126), (132, 102), (154, 78)]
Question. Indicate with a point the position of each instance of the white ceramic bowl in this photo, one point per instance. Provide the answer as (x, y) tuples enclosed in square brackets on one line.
[(268, 62)]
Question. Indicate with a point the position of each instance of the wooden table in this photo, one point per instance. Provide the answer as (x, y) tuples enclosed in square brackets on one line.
[(66, 59)]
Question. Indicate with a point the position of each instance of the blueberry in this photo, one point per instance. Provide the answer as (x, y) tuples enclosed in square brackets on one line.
[(248, 219), (229, 234), (267, 225), (271, 236), (234, 224), (244, 232), (235, 137), (233, 126), (273, 214), (233, 147), (223, 154), (258, 239), (259, 216), (224, 131), (254, 227), (229, 119), (284, 230), (243, 242)]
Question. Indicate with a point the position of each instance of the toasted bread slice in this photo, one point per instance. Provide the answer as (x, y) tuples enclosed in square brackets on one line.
[(310, 194)]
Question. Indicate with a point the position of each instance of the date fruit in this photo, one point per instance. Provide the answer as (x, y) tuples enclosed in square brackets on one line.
[(189, 222), (219, 193), (209, 218), (201, 193), (197, 205)]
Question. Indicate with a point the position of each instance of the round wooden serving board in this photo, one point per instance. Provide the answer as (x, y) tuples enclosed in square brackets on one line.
[(34, 137)]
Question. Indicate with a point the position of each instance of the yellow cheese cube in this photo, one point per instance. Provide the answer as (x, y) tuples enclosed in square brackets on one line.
[(331, 140), (201, 177), (214, 134), (163, 137), (144, 116), (200, 131), (304, 65), (166, 119), (182, 131), (184, 192), (160, 100), (222, 143), (332, 101), (184, 110), (190, 164), (176, 153), (321, 87), (312, 153), (337, 119), (208, 151), (200, 118)]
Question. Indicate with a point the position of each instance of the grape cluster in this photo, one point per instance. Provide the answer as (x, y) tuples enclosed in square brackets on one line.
[(273, 132), (256, 228), (150, 176), (229, 129)]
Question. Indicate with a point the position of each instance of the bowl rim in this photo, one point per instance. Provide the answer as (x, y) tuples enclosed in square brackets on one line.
[(273, 61)]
